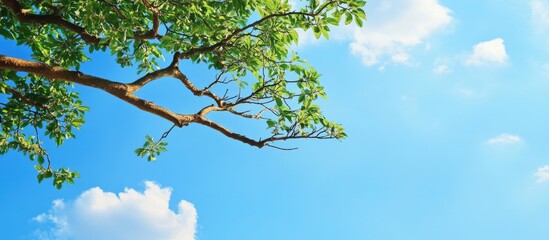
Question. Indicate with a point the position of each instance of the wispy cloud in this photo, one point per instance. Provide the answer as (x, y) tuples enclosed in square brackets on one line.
[(540, 14), (97, 214), (464, 92), (542, 173), (504, 139), (540, 23), (443, 65), (393, 27), (488, 53), (442, 69)]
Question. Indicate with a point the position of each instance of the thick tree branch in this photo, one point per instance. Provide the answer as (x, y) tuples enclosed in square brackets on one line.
[(116, 89), (149, 77), (209, 109)]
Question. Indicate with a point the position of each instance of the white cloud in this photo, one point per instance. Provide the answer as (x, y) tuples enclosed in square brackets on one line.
[(487, 53), (504, 139), (443, 65), (400, 58), (540, 21), (542, 173), (540, 14), (97, 214), (442, 69), (393, 27)]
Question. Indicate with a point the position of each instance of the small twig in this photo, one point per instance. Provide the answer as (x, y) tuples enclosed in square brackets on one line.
[(217, 79), (165, 134), (115, 8), (40, 146), (281, 148), (25, 99), (225, 95)]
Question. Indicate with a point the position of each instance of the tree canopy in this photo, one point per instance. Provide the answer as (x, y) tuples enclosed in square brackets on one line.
[(247, 43)]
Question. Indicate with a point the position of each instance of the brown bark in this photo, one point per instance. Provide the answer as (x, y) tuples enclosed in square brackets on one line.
[(119, 90)]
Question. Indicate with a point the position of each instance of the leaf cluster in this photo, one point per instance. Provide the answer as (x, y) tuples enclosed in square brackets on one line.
[(151, 149), (37, 107)]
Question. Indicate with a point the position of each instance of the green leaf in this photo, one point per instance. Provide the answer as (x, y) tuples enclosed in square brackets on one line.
[(6, 33), (139, 152), (40, 160), (332, 21), (325, 32), (359, 13), (358, 22), (279, 102), (40, 177), (348, 18), (270, 123), (316, 31)]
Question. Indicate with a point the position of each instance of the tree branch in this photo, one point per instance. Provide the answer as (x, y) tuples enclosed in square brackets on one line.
[(261, 143), (149, 77), (119, 90), (224, 41), (24, 16), (197, 92), (114, 7), (206, 122), (153, 32), (25, 99)]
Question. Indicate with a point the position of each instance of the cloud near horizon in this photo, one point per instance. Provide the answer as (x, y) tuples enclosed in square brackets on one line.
[(97, 214), (393, 27)]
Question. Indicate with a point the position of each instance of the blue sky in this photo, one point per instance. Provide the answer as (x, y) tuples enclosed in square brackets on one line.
[(446, 108)]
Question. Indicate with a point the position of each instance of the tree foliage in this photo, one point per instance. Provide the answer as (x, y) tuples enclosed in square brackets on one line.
[(246, 42)]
